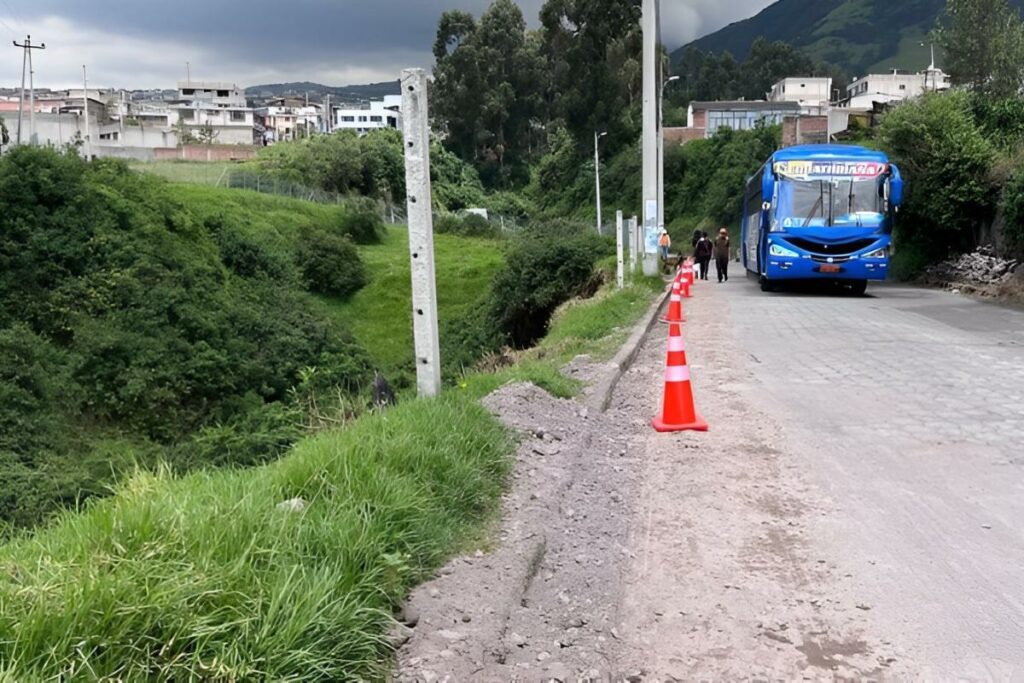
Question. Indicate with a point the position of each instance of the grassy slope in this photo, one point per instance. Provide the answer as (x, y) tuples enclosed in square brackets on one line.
[(203, 577), (464, 267), (200, 173)]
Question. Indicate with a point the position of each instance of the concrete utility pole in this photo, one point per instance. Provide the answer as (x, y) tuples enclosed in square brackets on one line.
[(85, 101), (416, 132), (649, 25), (26, 60), (661, 147), (597, 176), (634, 245), (620, 265)]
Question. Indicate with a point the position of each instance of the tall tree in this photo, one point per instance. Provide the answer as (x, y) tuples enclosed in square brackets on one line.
[(488, 86), (586, 43), (984, 44)]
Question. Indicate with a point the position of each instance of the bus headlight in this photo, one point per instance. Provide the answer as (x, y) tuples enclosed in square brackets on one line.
[(878, 253), (776, 250)]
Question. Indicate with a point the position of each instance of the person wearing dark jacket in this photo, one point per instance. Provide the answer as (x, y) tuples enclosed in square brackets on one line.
[(722, 249), (696, 238), (702, 253)]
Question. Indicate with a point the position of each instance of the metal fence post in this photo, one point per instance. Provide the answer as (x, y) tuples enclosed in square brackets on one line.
[(416, 131), (620, 266)]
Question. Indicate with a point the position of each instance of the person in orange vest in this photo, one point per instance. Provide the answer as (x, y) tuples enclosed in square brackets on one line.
[(664, 243)]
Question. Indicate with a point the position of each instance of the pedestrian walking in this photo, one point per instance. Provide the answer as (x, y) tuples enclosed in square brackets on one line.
[(722, 250), (702, 254), (664, 244)]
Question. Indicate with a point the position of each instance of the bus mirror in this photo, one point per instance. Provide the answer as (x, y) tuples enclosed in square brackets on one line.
[(768, 184), (895, 185)]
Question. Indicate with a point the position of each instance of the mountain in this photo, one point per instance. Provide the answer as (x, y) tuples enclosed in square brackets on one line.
[(859, 35), (317, 91)]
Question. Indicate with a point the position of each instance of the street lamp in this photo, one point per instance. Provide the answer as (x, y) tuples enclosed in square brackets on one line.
[(661, 151), (597, 175)]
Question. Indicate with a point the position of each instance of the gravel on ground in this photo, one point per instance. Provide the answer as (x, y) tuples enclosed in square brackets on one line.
[(627, 555)]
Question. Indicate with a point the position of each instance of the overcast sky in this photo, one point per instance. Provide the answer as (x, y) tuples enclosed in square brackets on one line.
[(146, 43)]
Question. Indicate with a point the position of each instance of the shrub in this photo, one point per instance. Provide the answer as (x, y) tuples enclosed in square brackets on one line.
[(448, 224), (946, 161), (1013, 213), (255, 256), (363, 221), (542, 271), (131, 317), (255, 436), (330, 264)]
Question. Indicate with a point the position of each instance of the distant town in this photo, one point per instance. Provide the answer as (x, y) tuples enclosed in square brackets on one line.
[(155, 124), (206, 121)]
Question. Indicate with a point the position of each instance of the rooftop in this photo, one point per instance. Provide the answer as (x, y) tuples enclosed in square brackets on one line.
[(746, 105)]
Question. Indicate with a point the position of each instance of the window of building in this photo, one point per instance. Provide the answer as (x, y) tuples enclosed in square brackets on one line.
[(348, 119), (222, 93), (362, 119), (188, 91), (903, 87), (376, 119), (188, 115), (238, 116)]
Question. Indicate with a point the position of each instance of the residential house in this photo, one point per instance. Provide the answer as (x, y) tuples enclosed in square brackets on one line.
[(897, 86), (386, 113)]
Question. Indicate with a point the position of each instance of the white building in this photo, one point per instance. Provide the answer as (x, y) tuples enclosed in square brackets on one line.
[(218, 94), (864, 92), (379, 114), (810, 93), (231, 125)]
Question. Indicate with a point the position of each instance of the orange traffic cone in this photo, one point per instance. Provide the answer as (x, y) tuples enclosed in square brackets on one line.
[(675, 305), (687, 281), (678, 413)]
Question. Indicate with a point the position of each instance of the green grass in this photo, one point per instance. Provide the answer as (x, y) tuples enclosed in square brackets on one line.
[(263, 212), (204, 578), (197, 172), (380, 315), (596, 327)]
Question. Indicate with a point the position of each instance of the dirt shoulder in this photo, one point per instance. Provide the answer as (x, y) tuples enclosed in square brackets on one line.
[(626, 554)]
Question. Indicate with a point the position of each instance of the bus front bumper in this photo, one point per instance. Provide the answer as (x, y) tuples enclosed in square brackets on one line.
[(806, 268)]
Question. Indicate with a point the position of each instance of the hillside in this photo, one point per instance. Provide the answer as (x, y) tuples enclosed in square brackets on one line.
[(858, 35), (347, 93)]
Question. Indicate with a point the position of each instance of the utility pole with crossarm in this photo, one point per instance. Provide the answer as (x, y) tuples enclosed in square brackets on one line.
[(26, 60)]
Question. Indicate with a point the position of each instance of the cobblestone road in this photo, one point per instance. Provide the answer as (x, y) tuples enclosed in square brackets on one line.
[(907, 409)]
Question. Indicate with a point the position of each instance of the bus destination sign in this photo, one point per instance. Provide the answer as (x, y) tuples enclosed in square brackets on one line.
[(810, 170)]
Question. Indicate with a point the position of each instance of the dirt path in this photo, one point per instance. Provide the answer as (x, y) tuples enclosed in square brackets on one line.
[(626, 554)]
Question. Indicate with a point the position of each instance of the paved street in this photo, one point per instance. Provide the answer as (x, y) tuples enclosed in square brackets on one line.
[(856, 511), (907, 409)]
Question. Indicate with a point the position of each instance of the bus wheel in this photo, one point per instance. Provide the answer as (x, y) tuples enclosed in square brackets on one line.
[(858, 287), (766, 285)]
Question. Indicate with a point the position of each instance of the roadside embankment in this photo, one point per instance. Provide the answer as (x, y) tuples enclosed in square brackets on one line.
[(291, 570), (980, 273)]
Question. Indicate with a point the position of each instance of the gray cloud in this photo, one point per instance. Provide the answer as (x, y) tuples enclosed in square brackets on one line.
[(146, 43)]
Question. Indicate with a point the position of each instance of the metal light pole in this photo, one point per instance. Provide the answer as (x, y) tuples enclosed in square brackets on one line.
[(597, 175)]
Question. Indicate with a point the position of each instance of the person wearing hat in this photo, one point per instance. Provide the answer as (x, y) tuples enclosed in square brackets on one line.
[(664, 243), (722, 249)]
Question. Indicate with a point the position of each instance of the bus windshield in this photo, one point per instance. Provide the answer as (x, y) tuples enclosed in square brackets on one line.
[(830, 202)]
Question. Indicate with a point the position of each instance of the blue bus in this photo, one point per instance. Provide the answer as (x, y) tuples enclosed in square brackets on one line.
[(821, 212)]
